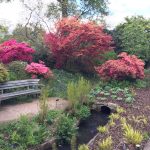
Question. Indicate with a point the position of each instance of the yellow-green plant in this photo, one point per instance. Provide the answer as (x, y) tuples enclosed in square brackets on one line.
[(114, 116), (132, 136), (43, 104), (140, 119), (77, 92), (54, 146), (102, 129), (73, 142), (83, 147), (120, 110), (83, 89), (3, 73), (123, 120), (71, 93), (111, 123), (106, 144)]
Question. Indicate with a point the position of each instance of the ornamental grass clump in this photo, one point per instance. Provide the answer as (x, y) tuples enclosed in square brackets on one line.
[(132, 136), (38, 70), (43, 104), (127, 67), (77, 92), (106, 144), (102, 129), (83, 147)]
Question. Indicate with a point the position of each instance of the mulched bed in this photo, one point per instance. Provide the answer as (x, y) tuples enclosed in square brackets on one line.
[(140, 107)]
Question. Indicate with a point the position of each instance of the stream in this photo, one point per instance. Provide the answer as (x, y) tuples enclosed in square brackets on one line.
[(88, 128)]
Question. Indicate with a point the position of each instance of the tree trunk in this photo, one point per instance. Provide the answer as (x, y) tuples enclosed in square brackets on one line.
[(64, 7)]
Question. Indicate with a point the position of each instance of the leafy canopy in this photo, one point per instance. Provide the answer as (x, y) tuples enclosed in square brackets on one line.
[(133, 36), (75, 40), (81, 8)]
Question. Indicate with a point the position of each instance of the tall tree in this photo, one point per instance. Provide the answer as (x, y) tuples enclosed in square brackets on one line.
[(80, 8)]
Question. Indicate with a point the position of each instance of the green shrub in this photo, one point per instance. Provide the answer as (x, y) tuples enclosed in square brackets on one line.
[(58, 86), (83, 89), (22, 134), (66, 128), (17, 70), (82, 112), (52, 115), (3, 73), (43, 104), (133, 36), (78, 92), (107, 56)]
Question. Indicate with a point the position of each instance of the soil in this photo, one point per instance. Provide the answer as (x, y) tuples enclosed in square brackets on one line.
[(140, 107)]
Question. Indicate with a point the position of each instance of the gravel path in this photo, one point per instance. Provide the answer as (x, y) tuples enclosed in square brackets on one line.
[(13, 112)]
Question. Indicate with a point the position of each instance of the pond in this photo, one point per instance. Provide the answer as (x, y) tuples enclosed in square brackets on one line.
[(88, 128)]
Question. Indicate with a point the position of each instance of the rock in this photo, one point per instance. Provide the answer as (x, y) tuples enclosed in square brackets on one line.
[(112, 106), (98, 106)]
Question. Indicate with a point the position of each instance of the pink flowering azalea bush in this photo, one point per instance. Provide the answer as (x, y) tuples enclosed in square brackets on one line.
[(12, 50), (38, 69), (125, 67)]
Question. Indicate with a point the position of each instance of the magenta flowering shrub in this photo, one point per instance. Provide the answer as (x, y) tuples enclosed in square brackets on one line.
[(38, 69), (12, 50)]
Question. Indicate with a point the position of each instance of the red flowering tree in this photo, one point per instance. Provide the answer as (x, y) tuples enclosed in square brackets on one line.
[(38, 69), (76, 40), (126, 67), (12, 50)]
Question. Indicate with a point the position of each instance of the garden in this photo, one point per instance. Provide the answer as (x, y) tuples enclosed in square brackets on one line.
[(102, 75)]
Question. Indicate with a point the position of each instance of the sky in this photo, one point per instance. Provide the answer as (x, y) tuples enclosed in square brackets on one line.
[(14, 12)]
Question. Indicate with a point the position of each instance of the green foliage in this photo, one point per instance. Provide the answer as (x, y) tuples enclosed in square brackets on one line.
[(82, 112), (52, 115), (71, 94), (54, 146), (114, 116), (43, 105), (3, 73), (4, 36), (107, 56), (120, 110), (78, 92), (58, 86), (89, 9), (66, 128), (17, 70), (106, 144), (73, 142), (83, 147), (109, 91), (112, 123), (22, 134), (147, 78), (132, 136), (133, 36)]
